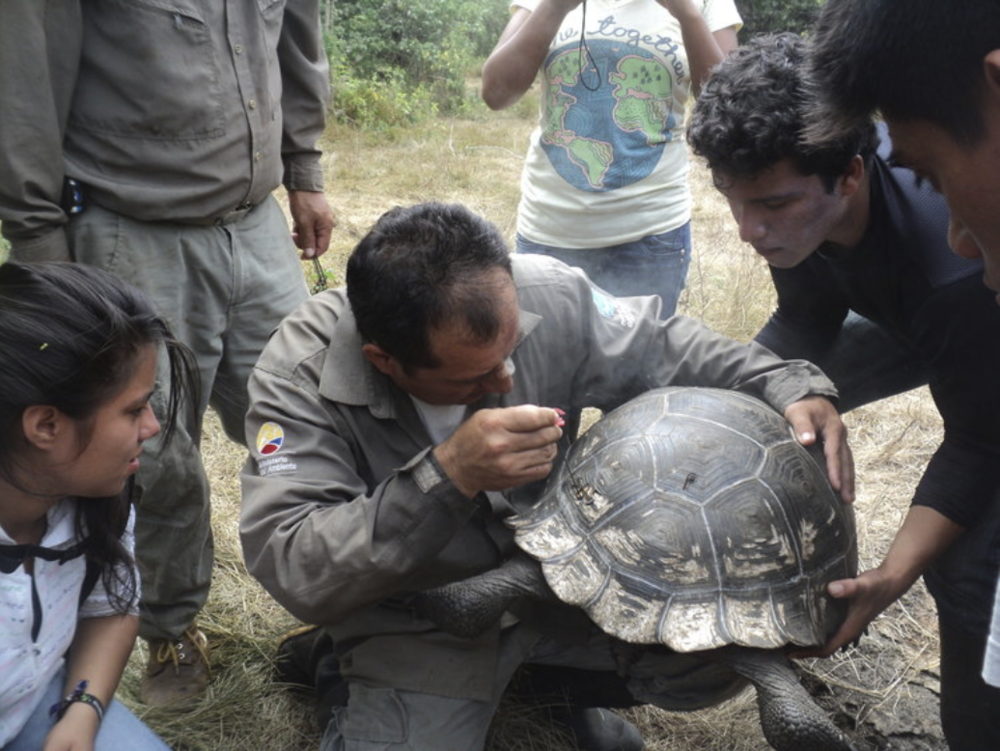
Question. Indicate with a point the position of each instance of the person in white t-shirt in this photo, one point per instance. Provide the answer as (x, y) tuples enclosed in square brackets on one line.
[(605, 181), (78, 362)]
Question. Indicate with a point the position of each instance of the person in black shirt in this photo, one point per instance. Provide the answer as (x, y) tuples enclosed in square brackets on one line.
[(869, 290)]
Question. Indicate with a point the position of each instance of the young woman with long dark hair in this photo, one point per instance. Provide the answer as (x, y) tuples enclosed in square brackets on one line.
[(79, 356)]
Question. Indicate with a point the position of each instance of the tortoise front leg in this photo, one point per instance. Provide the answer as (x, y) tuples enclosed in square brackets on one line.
[(469, 607), (790, 718)]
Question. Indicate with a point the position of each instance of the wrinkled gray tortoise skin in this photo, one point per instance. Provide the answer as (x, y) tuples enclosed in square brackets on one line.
[(689, 518)]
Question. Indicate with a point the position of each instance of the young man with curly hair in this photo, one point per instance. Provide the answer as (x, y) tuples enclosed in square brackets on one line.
[(869, 290)]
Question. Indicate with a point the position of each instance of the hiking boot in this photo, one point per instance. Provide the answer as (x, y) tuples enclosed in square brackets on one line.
[(305, 660), (177, 671), (598, 729), (295, 657)]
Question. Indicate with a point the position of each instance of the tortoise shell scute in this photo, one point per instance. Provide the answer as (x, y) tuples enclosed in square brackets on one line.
[(691, 517)]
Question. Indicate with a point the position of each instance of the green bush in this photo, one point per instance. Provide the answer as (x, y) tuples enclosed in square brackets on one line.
[(761, 16), (387, 103), (397, 62)]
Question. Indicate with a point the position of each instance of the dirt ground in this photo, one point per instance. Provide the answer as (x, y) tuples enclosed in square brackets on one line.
[(885, 694)]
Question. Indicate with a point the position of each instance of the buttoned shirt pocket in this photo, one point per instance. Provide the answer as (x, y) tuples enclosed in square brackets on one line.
[(272, 14), (150, 70), (271, 8)]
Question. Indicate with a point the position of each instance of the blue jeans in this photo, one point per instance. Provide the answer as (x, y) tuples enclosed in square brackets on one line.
[(120, 729), (654, 265)]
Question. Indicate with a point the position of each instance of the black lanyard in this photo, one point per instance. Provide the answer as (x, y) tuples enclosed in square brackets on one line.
[(12, 556)]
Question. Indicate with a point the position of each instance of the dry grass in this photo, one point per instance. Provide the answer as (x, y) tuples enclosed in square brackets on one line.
[(479, 163)]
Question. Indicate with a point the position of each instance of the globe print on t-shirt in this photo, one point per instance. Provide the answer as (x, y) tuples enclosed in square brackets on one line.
[(605, 127)]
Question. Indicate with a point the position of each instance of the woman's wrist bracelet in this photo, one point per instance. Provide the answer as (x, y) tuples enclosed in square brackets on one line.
[(80, 695)]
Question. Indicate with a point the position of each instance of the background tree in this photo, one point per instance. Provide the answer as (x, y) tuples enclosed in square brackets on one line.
[(396, 61), (776, 15)]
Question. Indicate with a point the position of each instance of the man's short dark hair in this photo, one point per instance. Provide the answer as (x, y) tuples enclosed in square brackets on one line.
[(422, 268), (909, 59), (752, 111)]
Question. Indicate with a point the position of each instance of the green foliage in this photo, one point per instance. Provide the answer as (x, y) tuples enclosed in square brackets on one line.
[(398, 62), (761, 16), (386, 102)]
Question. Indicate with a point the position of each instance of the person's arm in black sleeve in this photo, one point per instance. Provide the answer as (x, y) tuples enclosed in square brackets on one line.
[(960, 331)]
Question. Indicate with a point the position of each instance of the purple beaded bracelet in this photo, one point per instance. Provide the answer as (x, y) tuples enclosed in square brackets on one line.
[(79, 695)]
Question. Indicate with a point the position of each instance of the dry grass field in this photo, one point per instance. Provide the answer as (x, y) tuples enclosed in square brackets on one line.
[(884, 688)]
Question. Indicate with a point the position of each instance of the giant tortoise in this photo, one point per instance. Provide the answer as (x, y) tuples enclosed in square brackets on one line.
[(689, 518)]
